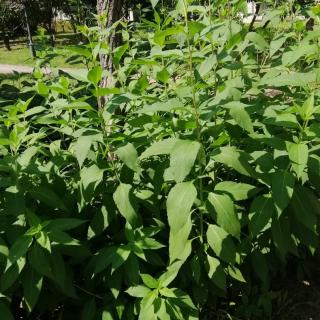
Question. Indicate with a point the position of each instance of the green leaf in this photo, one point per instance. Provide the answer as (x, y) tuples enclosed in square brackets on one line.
[(103, 259), (306, 207), (242, 118), (281, 236), (80, 50), (236, 159), (216, 273), (307, 108), (26, 157), (42, 89), (122, 200), (225, 213), (298, 154), (95, 75), (63, 224), (166, 106), (11, 274), (182, 159), (138, 291), (149, 281), (261, 211), (39, 260), (154, 3), (91, 177), (47, 196), (163, 76), (236, 274), (221, 243), (107, 315), (297, 52), (101, 92), (32, 284), (207, 65), (89, 310), (82, 148), (118, 53), (128, 154), (179, 203), (238, 191), (171, 273), (147, 306), (100, 222), (63, 238), (78, 74), (257, 40), (180, 200), (5, 312), (43, 240), (277, 43), (159, 148), (295, 79), (282, 183), (19, 248)]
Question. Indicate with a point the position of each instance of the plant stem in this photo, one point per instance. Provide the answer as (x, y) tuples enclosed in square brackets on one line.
[(196, 111)]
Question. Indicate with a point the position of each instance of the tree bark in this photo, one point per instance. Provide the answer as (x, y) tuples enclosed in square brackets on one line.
[(109, 11), (6, 40)]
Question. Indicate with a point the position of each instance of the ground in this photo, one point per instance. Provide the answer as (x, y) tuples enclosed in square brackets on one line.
[(20, 53)]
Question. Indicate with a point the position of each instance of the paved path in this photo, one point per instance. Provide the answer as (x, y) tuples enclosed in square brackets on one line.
[(9, 68)]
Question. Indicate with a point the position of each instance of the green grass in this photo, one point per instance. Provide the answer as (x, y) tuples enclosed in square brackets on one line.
[(20, 53)]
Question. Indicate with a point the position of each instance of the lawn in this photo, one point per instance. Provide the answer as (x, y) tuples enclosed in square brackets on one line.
[(20, 53)]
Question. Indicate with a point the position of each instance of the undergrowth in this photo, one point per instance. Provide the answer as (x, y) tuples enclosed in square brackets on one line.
[(187, 194)]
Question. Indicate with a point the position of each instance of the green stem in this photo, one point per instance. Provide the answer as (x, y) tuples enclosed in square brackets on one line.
[(196, 111)]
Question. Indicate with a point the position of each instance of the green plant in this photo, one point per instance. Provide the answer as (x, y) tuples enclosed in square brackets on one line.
[(191, 187)]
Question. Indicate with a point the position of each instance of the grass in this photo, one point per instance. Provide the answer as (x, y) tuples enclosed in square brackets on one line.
[(20, 53)]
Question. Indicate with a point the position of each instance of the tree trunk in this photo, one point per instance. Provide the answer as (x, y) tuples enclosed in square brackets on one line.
[(109, 11), (51, 25), (73, 24), (6, 40)]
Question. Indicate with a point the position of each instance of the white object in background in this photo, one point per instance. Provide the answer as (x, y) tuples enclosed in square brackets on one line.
[(131, 16), (251, 7)]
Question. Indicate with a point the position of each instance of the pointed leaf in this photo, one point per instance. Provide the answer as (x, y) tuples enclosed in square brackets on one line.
[(19, 248), (242, 118), (221, 243), (238, 160), (32, 285), (216, 272), (182, 159), (298, 154), (260, 214), (129, 156), (159, 148), (306, 207), (238, 191), (5, 312), (225, 213), (180, 200), (95, 75), (282, 189), (138, 291), (82, 148), (122, 199)]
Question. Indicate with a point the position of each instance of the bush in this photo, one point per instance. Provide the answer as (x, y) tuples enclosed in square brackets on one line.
[(186, 193)]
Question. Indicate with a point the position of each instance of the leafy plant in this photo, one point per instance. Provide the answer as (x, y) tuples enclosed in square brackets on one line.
[(194, 184)]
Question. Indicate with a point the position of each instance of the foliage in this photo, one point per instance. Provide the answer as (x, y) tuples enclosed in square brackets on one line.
[(195, 184), (10, 17)]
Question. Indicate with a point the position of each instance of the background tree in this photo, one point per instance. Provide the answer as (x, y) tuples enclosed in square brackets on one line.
[(10, 20)]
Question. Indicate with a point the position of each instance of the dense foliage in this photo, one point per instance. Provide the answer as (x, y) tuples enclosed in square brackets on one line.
[(186, 193)]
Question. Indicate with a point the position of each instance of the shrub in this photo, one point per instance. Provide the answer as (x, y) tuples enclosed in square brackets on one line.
[(194, 184)]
